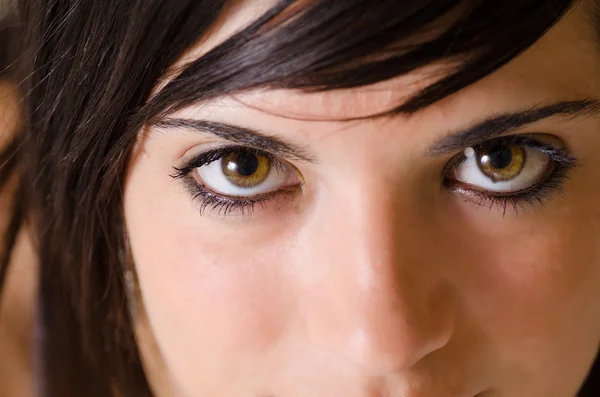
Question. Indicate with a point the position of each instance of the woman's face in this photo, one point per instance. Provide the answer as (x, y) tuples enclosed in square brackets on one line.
[(292, 255)]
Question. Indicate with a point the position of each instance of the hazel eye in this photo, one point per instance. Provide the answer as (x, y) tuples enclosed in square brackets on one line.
[(244, 173), (501, 162), (246, 170), (503, 167)]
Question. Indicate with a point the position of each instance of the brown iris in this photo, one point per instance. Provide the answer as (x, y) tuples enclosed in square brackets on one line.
[(501, 162), (245, 169)]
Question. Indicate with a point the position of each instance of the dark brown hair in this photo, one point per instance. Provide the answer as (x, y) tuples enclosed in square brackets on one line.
[(88, 70), (8, 40)]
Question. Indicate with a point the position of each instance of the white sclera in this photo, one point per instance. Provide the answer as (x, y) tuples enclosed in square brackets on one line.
[(213, 178), (535, 167)]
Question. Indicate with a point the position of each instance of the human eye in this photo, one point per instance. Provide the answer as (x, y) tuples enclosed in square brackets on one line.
[(514, 171), (234, 179)]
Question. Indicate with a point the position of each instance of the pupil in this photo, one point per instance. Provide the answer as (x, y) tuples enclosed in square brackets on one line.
[(500, 157), (243, 164)]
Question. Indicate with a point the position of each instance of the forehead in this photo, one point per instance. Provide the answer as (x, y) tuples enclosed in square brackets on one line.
[(559, 66)]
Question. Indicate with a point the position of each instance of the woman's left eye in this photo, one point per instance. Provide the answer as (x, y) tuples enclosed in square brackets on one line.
[(503, 167), (238, 178), (510, 168)]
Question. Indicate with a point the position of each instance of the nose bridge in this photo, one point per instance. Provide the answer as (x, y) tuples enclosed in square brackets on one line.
[(374, 300)]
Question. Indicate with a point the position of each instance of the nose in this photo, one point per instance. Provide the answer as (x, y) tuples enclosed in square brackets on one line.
[(371, 294)]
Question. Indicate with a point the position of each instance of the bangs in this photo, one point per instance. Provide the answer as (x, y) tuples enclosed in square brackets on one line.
[(330, 44)]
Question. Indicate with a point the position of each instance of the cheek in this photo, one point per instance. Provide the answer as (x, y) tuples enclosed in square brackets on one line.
[(533, 278), (532, 284), (210, 292)]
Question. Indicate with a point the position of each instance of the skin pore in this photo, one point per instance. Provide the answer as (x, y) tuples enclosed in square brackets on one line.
[(368, 276)]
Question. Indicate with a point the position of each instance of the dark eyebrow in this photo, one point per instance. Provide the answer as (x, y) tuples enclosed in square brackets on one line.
[(498, 125), (482, 131), (240, 135)]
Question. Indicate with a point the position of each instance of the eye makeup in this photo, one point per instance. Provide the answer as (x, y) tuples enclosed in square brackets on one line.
[(214, 201), (530, 148), (498, 164)]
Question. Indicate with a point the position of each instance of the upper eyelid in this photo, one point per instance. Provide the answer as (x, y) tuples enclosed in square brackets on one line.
[(190, 164), (236, 135), (523, 138), (531, 139), (454, 161)]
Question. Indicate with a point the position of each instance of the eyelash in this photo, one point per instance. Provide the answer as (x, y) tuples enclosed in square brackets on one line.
[(221, 204), (536, 195), (532, 197)]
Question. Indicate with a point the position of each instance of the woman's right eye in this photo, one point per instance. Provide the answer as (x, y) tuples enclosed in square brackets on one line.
[(236, 178), (244, 173)]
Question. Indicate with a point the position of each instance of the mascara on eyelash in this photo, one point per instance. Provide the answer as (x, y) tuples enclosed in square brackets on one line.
[(560, 155), (535, 195), (211, 201), (529, 140), (213, 155)]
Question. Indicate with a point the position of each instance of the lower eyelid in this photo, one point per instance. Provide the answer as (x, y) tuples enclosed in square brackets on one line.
[(530, 198), (228, 205), (255, 198)]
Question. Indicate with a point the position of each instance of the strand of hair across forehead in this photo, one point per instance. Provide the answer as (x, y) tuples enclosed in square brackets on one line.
[(337, 45)]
